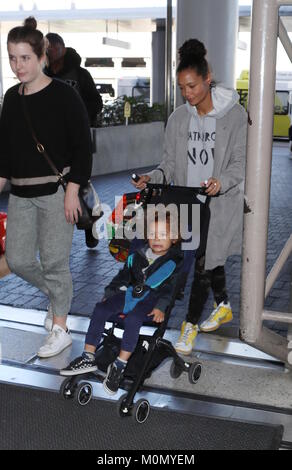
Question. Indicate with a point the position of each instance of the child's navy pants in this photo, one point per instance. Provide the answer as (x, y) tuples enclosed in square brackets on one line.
[(110, 309)]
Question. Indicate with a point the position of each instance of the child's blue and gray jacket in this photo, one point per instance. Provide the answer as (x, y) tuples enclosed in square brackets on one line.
[(140, 279)]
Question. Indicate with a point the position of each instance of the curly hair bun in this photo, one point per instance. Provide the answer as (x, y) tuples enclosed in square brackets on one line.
[(193, 48), (30, 23)]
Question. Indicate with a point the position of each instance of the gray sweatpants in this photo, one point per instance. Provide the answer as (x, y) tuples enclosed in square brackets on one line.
[(38, 225)]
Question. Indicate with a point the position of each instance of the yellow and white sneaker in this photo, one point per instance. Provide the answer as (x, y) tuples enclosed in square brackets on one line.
[(221, 314), (187, 338)]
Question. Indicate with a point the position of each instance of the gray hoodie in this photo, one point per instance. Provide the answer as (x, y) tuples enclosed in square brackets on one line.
[(225, 230), (202, 135)]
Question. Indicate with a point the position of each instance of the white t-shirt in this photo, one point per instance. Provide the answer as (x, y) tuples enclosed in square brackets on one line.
[(201, 143)]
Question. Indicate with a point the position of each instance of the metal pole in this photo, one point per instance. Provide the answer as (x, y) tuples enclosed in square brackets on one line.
[(258, 170), (288, 48), (168, 60), (273, 344), (283, 2), (276, 269), (289, 333), (285, 40), (158, 63), (280, 317)]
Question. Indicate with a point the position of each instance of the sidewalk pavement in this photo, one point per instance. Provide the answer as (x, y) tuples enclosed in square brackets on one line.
[(93, 269)]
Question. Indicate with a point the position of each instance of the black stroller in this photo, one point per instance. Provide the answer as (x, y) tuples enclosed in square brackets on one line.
[(150, 351)]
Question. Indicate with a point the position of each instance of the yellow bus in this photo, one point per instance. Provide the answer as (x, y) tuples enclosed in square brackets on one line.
[(283, 101)]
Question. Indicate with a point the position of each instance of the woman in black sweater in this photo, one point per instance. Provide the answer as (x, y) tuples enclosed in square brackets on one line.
[(40, 215)]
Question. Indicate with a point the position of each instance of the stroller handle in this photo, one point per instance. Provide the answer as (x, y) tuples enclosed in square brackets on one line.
[(135, 177), (186, 189), (150, 186)]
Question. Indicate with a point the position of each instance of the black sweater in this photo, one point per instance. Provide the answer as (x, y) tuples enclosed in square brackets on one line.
[(81, 80), (60, 122)]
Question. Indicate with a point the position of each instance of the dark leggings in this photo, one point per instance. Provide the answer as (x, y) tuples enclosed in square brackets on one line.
[(110, 309), (205, 279)]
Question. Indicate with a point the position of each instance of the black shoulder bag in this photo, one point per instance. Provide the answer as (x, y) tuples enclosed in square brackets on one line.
[(88, 197)]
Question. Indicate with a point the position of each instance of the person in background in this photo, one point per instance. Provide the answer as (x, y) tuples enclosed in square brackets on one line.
[(205, 145), (64, 63), (41, 216)]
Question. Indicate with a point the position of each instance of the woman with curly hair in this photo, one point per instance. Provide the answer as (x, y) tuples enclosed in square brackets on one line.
[(205, 145)]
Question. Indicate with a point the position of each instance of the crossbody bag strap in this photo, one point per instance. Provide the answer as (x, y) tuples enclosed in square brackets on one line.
[(40, 148)]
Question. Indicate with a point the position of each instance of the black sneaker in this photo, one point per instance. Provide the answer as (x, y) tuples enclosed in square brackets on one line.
[(80, 365), (113, 378)]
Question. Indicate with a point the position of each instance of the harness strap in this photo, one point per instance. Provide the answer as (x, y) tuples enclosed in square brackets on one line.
[(152, 282), (161, 274)]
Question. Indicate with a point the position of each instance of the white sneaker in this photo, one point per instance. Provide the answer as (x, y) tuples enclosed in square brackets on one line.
[(56, 342), (48, 323)]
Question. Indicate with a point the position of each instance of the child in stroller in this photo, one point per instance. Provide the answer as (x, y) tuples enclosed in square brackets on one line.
[(143, 289)]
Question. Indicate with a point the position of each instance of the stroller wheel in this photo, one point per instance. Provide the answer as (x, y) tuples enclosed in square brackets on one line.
[(67, 389), (141, 410), (175, 370), (194, 372), (123, 410), (83, 393)]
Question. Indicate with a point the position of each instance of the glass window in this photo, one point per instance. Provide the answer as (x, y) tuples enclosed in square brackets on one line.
[(133, 62), (243, 96), (281, 102), (99, 62)]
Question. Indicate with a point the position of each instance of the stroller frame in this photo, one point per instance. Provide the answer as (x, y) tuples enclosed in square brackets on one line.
[(75, 387)]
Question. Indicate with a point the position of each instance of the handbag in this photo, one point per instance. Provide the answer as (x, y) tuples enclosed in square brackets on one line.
[(90, 206), (88, 198)]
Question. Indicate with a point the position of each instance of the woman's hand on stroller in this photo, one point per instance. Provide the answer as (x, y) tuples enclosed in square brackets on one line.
[(212, 186), (142, 182), (158, 315)]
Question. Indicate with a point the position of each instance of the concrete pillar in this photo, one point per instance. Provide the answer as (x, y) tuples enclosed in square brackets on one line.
[(215, 23), (158, 63)]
